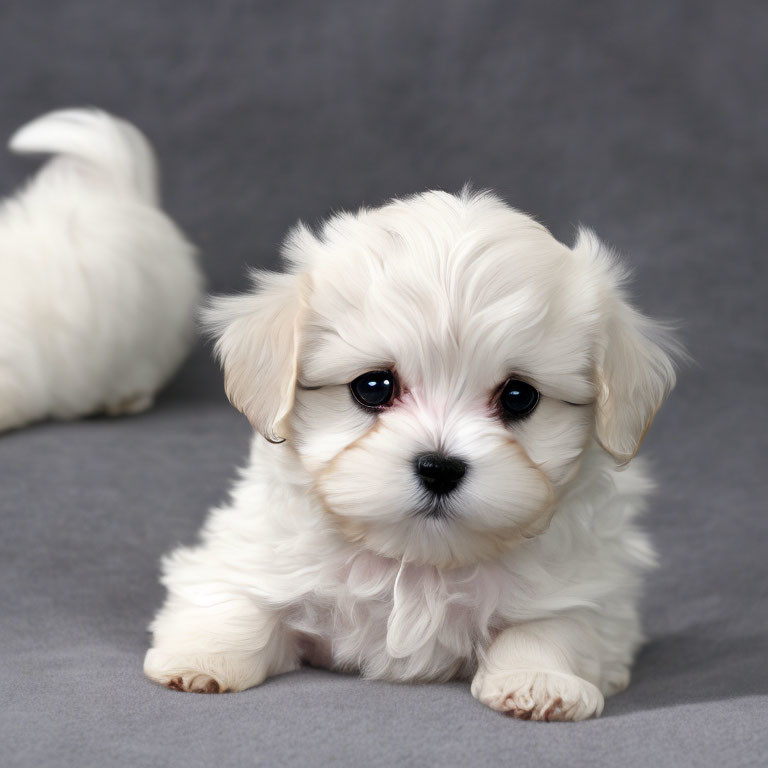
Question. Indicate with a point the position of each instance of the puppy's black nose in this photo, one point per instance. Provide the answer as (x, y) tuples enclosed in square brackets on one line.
[(439, 474)]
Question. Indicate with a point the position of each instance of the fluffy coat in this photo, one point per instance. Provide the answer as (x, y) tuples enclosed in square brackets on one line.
[(98, 287)]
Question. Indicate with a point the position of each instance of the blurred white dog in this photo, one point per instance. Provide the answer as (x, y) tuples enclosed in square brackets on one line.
[(98, 287), (445, 391)]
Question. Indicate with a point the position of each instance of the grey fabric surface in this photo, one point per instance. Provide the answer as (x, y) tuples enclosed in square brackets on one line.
[(645, 121)]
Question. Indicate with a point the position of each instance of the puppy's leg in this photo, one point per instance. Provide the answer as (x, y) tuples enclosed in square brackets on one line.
[(543, 670), (220, 642)]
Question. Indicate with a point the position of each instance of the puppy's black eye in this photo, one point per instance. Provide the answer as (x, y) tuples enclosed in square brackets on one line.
[(518, 399), (374, 389)]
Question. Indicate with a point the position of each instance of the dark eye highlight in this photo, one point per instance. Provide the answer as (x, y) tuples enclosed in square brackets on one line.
[(518, 399), (375, 389)]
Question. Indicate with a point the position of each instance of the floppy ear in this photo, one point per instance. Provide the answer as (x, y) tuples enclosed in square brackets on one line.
[(257, 344), (633, 366)]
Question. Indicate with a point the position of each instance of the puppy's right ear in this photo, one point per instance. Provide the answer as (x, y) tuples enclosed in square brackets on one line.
[(257, 344)]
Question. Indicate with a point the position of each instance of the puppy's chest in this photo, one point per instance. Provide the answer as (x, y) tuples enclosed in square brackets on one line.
[(396, 622)]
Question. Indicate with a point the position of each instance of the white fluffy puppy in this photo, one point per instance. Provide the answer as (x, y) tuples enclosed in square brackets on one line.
[(443, 393), (98, 287)]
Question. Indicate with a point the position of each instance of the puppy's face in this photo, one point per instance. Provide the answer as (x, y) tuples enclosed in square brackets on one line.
[(442, 363)]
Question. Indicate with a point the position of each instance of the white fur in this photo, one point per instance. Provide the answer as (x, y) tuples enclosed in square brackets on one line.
[(530, 582), (98, 287)]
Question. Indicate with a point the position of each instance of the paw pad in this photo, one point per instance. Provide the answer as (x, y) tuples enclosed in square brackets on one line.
[(210, 687)]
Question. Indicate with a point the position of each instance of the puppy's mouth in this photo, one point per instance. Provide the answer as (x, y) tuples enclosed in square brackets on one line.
[(440, 533), (433, 507)]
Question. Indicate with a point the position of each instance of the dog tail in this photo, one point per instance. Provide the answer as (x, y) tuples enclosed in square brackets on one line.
[(96, 140)]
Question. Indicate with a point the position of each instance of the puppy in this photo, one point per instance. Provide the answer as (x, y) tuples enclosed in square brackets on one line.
[(98, 287), (442, 394)]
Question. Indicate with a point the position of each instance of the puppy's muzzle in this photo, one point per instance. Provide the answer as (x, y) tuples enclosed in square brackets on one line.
[(439, 474)]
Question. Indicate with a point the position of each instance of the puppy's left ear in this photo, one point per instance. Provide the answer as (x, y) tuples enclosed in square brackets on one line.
[(257, 344), (634, 368)]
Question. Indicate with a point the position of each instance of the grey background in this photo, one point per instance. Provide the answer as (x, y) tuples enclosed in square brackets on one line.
[(647, 121)]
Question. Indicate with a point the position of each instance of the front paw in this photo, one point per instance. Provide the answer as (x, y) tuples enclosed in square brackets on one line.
[(535, 694), (185, 672), (203, 672)]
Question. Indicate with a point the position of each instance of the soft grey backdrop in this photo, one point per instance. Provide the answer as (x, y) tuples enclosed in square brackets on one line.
[(647, 121)]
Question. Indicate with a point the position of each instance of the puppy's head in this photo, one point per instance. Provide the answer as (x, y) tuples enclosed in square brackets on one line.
[(439, 366)]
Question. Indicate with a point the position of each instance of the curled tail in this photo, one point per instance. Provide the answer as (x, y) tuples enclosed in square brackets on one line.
[(108, 144)]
